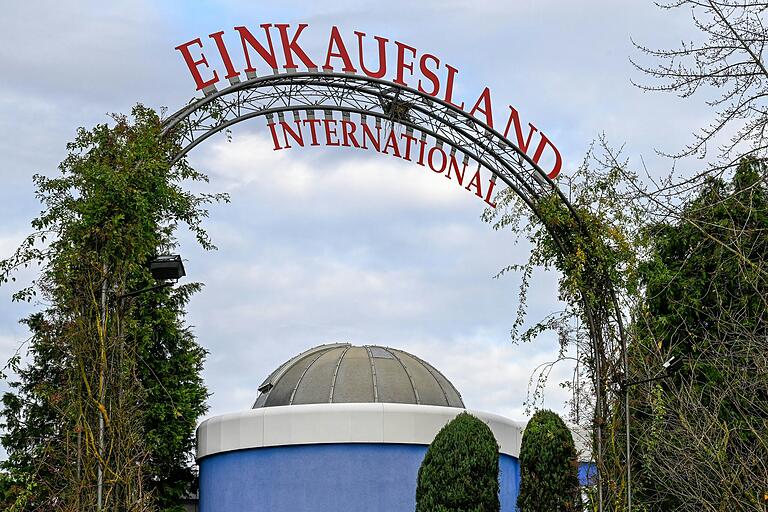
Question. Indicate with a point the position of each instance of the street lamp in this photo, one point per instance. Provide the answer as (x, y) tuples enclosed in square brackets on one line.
[(163, 268), (167, 268), (671, 366)]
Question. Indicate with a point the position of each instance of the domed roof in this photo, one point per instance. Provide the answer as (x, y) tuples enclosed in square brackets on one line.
[(343, 373)]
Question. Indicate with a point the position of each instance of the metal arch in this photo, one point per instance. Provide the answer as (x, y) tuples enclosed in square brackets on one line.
[(313, 91), (319, 91)]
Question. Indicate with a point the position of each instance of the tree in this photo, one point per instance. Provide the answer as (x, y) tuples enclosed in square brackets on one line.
[(727, 60), (701, 438), (460, 471), (174, 394), (129, 362), (549, 469)]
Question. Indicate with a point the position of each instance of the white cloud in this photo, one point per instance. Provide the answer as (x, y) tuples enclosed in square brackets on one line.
[(491, 373), (349, 184)]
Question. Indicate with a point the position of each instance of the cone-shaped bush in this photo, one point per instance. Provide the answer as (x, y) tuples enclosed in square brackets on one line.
[(549, 478), (460, 472)]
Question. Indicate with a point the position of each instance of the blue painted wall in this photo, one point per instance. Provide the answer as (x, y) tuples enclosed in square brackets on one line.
[(325, 478), (322, 478)]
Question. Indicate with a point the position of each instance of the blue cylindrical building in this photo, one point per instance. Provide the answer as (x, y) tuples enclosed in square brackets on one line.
[(338, 428)]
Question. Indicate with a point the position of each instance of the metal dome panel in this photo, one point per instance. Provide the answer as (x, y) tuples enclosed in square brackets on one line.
[(343, 373)]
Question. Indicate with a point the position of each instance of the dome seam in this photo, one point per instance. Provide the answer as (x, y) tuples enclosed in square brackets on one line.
[(373, 374), (284, 386), (432, 373), (336, 373), (298, 383), (410, 377)]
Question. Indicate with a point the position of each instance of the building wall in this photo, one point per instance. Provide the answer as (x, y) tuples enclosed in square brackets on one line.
[(325, 478), (333, 457)]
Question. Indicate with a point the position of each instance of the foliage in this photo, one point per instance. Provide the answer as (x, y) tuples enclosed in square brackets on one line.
[(703, 435), (174, 393), (592, 241), (129, 362), (549, 471), (649, 272), (692, 282), (460, 471)]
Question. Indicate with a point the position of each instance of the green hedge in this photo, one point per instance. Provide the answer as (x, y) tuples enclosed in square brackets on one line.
[(549, 478), (460, 472)]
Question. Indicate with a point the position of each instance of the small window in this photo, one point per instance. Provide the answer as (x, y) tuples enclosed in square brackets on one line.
[(380, 352)]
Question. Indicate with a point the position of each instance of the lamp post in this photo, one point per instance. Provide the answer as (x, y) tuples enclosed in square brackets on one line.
[(168, 269), (671, 366)]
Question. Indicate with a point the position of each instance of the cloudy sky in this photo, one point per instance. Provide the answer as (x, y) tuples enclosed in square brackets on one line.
[(321, 245)]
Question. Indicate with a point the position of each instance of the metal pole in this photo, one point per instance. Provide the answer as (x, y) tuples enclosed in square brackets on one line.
[(599, 414), (626, 421), (596, 346), (625, 357), (100, 471), (625, 388)]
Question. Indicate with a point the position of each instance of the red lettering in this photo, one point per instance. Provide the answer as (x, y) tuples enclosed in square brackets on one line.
[(449, 86), (454, 164), (432, 164), (558, 159), (348, 133), (382, 56), (268, 56), (392, 143), (329, 132), (297, 136), (476, 182), (368, 135), (292, 47), (193, 64), (401, 64), (490, 193), (485, 99), (274, 136), (313, 133), (422, 145), (408, 139), (432, 77), (340, 53), (224, 54), (514, 117)]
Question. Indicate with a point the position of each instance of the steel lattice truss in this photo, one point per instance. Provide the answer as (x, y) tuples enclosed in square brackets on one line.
[(313, 94)]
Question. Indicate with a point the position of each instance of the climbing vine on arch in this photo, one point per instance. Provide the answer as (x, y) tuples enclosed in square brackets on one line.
[(593, 247)]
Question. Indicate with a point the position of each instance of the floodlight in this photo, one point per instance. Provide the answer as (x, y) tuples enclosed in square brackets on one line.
[(673, 364), (167, 267)]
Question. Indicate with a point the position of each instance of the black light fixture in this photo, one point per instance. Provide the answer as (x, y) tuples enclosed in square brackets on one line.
[(167, 267), (673, 364)]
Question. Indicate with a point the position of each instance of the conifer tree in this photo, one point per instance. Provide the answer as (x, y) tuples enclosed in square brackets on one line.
[(95, 354), (460, 471), (549, 478)]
